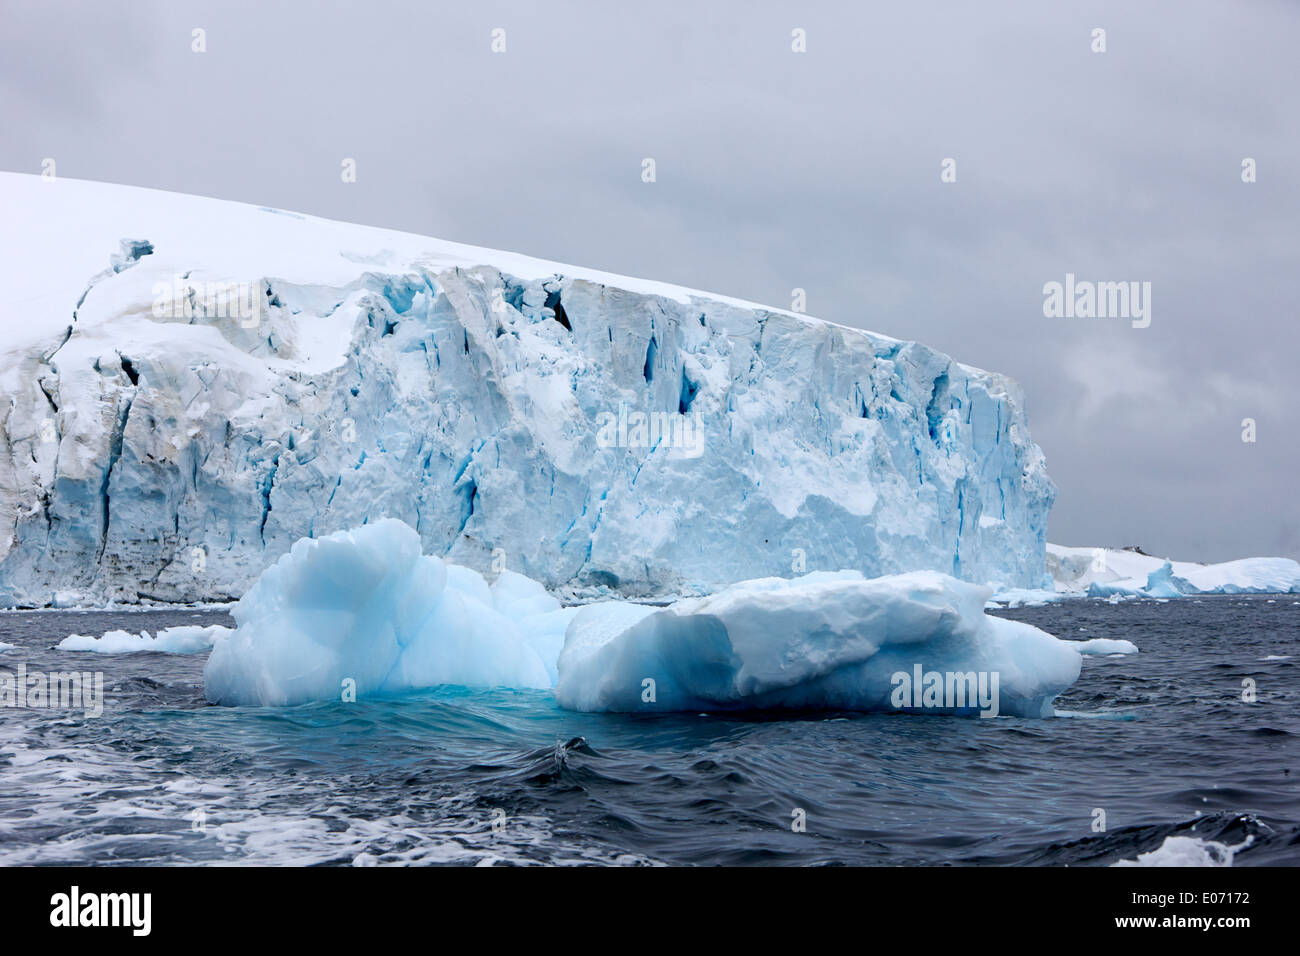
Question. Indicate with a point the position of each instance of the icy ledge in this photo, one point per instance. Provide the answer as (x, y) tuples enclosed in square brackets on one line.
[(364, 612)]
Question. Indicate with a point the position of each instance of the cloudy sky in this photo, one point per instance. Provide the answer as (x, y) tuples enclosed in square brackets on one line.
[(775, 170)]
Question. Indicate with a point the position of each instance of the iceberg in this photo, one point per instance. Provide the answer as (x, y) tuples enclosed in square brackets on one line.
[(183, 639), (365, 612), (821, 641), (193, 385)]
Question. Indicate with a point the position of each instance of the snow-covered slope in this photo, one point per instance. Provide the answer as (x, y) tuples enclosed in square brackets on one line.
[(190, 385), (1104, 572)]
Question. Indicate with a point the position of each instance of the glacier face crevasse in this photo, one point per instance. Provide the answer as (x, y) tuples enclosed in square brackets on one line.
[(176, 457)]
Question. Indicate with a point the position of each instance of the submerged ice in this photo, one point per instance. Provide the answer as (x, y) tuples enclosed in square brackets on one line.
[(364, 612)]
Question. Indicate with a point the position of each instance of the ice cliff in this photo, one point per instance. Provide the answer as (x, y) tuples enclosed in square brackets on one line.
[(191, 385)]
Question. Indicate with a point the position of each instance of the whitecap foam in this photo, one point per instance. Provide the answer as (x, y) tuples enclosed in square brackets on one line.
[(1188, 851)]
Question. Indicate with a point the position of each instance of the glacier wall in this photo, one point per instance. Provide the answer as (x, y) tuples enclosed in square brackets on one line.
[(489, 401)]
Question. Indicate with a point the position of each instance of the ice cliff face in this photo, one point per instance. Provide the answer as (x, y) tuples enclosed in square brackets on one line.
[(190, 386)]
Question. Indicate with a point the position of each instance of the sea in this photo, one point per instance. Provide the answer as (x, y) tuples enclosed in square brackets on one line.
[(1187, 747)]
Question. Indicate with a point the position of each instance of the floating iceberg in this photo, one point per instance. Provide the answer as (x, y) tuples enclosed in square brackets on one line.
[(825, 641), (364, 611), (183, 639)]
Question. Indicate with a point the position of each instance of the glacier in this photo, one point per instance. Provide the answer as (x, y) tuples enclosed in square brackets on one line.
[(364, 612), (1120, 573), (191, 386)]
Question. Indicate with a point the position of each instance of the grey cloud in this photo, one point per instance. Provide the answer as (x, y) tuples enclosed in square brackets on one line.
[(777, 170)]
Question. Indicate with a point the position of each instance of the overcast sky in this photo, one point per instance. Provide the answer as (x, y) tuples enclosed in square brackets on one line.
[(775, 170)]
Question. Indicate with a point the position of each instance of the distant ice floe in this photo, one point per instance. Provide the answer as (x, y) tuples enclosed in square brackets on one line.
[(1188, 851), (6, 647), (184, 639), (1024, 597), (364, 612), (1104, 645)]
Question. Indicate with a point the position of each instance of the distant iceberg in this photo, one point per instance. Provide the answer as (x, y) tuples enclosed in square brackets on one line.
[(363, 612), (183, 639)]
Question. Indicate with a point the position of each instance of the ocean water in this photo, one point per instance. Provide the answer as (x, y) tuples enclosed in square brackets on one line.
[(1161, 741)]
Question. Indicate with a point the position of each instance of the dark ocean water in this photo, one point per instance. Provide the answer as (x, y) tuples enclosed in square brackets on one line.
[(1161, 741)]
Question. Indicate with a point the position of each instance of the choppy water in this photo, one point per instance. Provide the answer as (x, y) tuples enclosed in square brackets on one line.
[(1161, 741)]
